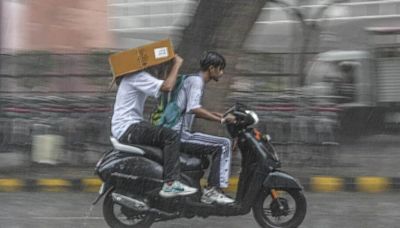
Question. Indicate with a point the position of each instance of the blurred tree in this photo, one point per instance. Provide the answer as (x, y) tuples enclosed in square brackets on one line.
[(219, 25)]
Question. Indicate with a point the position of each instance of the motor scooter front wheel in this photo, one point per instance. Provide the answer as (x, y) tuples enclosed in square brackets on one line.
[(118, 216), (286, 210)]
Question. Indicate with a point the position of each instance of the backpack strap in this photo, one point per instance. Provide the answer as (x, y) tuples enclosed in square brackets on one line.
[(174, 93)]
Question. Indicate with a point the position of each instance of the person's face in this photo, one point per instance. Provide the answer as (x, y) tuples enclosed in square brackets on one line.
[(216, 73)]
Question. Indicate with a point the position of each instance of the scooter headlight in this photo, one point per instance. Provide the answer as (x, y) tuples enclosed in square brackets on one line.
[(254, 117)]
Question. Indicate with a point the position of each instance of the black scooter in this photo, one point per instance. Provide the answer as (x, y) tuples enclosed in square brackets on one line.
[(132, 178)]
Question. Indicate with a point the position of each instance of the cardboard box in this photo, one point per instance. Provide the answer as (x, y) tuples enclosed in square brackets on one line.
[(137, 59)]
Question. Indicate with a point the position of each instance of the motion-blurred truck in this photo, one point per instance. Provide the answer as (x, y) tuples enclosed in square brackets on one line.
[(365, 85)]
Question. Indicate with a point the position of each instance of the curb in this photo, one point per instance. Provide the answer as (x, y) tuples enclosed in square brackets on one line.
[(91, 184), (328, 184), (368, 184)]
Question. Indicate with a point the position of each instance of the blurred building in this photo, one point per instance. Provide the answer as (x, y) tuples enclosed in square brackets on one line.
[(57, 26), (53, 80), (135, 22), (75, 25)]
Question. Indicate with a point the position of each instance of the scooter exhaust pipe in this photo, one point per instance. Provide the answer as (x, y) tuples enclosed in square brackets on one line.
[(139, 205), (131, 203)]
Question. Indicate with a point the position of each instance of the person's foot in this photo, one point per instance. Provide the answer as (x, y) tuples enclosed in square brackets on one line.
[(215, 195), (176, 188)]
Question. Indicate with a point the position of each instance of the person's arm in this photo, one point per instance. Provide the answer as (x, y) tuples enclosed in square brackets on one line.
[(213, 116), (218, 114), (205, 114), (169, 83), (194, 95)]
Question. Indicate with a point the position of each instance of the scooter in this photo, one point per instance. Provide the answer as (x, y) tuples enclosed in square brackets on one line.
[(132, 177)]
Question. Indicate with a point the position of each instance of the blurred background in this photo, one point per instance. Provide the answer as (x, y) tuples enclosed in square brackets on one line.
[(319, 74)]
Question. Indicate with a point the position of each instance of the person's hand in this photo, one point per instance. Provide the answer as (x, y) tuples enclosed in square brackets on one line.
[(178, 60), (229, 119)]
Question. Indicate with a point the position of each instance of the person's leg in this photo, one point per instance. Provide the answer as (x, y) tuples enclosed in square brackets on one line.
[(220, 168), (146, 134), (199, 148), (196, 145), (168, 140)]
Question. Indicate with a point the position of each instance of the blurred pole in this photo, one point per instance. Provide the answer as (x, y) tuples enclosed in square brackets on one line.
[(294, 49), (309, 29)]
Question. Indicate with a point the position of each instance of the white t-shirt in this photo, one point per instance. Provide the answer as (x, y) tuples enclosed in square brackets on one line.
[(129, 102), (190, 95)]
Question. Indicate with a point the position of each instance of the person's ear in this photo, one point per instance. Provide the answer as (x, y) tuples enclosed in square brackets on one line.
[(211, 68)]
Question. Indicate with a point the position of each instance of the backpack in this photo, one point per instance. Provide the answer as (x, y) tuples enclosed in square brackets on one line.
[(168, 113)]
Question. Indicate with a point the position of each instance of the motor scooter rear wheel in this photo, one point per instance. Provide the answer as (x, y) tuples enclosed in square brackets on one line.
[(118, 216), (269, 214)]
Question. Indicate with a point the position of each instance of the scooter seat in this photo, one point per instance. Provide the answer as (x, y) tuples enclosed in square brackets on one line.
[(188, 162)]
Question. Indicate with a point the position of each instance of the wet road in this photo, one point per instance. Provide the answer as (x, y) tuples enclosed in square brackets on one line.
[(72, 210)]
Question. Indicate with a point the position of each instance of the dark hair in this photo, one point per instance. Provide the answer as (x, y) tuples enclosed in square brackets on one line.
[(161, 70), (212, 58)]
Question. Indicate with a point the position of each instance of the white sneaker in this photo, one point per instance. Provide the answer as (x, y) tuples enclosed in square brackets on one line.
[(213, 195), (176, 189)]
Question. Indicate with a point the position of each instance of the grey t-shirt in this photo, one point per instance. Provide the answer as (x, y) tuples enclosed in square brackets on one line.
[(190, 96), (129, 102)]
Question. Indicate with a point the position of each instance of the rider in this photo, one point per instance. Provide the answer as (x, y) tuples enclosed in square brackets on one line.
[(212, 66), (129, 127)]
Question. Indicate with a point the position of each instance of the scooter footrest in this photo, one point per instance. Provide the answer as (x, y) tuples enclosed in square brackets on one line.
[(203, 209)]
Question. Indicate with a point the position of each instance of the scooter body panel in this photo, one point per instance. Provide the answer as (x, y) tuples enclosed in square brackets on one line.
[(131, 165)]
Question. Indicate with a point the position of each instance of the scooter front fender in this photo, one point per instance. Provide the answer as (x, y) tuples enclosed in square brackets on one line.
[(281, 180)]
